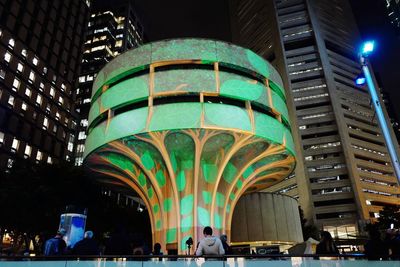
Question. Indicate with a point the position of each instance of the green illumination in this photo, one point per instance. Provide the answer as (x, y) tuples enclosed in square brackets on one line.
[(150, 192), (242, 90), (247, 172), (217, 221), (181, 181), (147, 161), (183, 154), (239, 184), (174, 163), (230, 172), (121, 162), (167, 204), (209, 172), (160, 178), (258, 63), (158, 225), (156, 208), (227, 116), (206, 197), (220, 199), (142, 179), (171, 235), (186, 205), (204, 216)]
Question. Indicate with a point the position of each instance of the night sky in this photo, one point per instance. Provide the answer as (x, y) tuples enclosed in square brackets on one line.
[(210, 19)]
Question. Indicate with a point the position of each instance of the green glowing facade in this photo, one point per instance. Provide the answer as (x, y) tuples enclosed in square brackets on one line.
[(190, 125)]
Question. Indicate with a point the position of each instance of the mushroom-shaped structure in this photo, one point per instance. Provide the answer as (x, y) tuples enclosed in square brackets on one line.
[(190, 125)]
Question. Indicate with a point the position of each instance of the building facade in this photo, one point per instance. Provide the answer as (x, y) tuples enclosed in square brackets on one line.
[(40, 53), (393, 12), (344, 174), (112, 29)]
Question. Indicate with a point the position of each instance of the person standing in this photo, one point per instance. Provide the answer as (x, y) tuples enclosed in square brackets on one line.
[(56, 246), (326, 245), (375, 248), (86, 246), (209, 245), (227, 248)]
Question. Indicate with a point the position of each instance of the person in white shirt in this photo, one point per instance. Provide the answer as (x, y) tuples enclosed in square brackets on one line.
[(209, 245)]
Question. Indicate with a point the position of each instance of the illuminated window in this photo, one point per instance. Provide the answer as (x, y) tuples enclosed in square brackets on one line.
[(11, 100), (48, 108), (45, 123), (7, 57), (70, 146), (28, 150), (10, 163), (52, 92), (1, 137), (84, 123), (24, 53), (49, 160), (31, 77), (20, 67), (60, 100), (44, 70), (24, 106), (14, 145), (368, 202), (35, 61), (89, 78), (80, 148), (57, 115), (86, 100), (63, 87), (11, 43), (28, 92), (16, 84), (82, 79), (39, 99), (2, 74), (41, 87), (118, 43), (82, 135), (55, 128), (39, 156)]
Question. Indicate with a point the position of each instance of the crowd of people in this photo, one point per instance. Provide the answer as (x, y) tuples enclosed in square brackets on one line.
[(376, 248)]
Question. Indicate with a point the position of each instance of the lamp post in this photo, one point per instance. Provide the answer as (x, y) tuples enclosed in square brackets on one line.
[(367, 48)]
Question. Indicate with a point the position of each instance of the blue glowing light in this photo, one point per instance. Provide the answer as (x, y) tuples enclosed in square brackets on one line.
[(360, 80), (368, 47)]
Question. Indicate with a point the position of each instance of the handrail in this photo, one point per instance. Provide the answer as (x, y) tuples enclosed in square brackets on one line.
[(177, 257)]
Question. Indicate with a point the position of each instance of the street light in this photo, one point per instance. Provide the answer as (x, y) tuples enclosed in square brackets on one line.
[(360, 80), (366, 49)]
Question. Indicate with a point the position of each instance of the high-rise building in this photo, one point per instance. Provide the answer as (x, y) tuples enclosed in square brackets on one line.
[(40, 53), (112, 29), (393, 12), (344, 174)]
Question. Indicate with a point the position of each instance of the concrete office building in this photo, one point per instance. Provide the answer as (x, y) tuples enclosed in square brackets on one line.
[(393, 12), (40, 53), (343, 175), (112, 29)]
